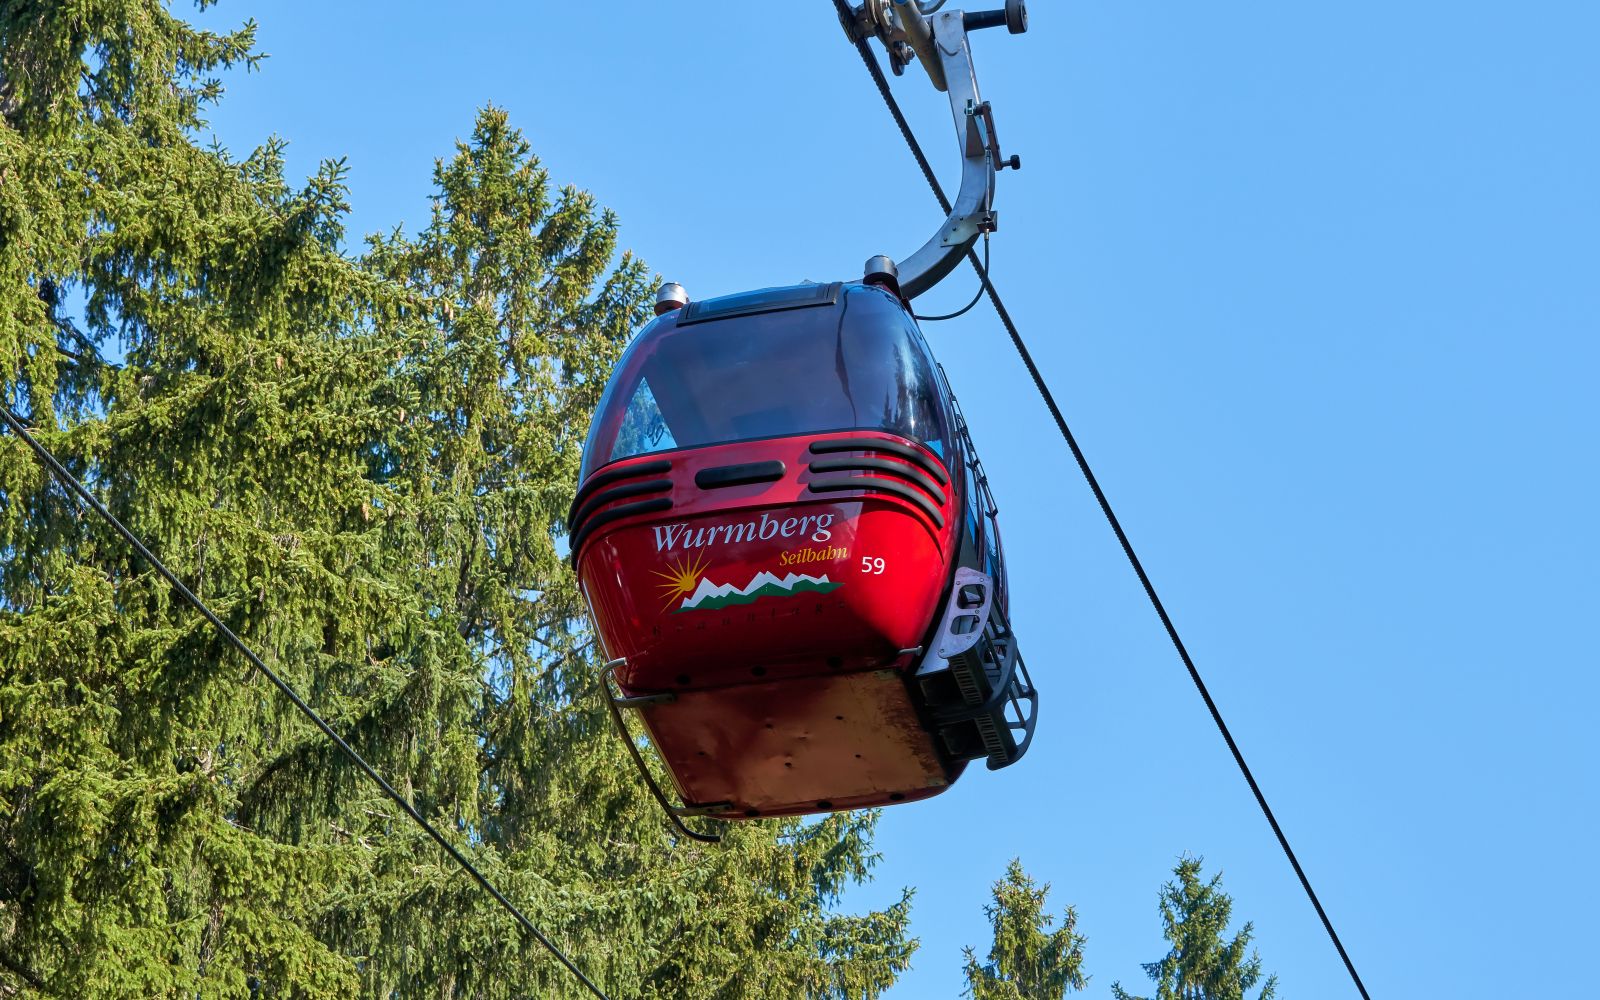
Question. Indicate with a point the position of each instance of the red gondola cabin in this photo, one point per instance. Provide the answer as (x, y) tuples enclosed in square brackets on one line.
[(790, 552)]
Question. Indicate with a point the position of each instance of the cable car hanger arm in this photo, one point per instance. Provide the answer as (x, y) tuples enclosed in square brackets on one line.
[(939, 41)]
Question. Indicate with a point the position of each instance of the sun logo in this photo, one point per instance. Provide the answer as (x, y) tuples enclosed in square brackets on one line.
[(681, 579)]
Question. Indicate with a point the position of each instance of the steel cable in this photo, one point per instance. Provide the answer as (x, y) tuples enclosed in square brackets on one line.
[(71, 482), (882, 83)]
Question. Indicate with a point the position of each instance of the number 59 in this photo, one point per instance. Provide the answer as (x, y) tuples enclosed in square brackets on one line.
[(872, 565)]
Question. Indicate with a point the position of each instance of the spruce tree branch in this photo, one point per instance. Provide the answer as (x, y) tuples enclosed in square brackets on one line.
[(85, 343), (17, 874), (17, 968), (255, 785), (88, 352), (250, 795), (253, 788)]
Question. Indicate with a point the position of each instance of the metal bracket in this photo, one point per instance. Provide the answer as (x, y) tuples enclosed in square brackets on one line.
[(965, 616), (939, 41), (645, 700), (615, 704)]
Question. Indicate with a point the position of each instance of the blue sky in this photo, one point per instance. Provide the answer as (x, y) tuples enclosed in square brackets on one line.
[(1316, 287)]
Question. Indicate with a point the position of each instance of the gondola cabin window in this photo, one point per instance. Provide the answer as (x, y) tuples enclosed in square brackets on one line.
[(821, 358)]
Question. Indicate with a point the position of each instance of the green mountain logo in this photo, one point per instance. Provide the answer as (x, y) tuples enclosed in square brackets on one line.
[(709, 596)]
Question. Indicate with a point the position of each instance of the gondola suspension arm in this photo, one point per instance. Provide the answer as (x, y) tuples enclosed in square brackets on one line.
[(939, 42)]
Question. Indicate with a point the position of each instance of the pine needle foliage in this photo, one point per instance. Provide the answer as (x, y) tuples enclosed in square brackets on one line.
[(363, 463), (1028, 960), (1204, 963)]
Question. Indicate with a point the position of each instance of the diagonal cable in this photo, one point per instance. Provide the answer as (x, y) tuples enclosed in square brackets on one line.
[(882, 83), (71, 482)]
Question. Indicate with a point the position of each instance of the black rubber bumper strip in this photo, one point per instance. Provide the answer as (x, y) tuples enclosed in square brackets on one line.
[(871, 483), (600, 480), (605, 517), (887, 447), (861, 464), (739, 475), (623, 492)]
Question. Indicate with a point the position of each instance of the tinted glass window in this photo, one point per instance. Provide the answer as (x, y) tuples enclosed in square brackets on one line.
[(858, 362), (643, 428)]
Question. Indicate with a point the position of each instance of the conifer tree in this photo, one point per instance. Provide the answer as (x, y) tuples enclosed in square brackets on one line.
[(1028, 961), (1203, 963), (363, 465)]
